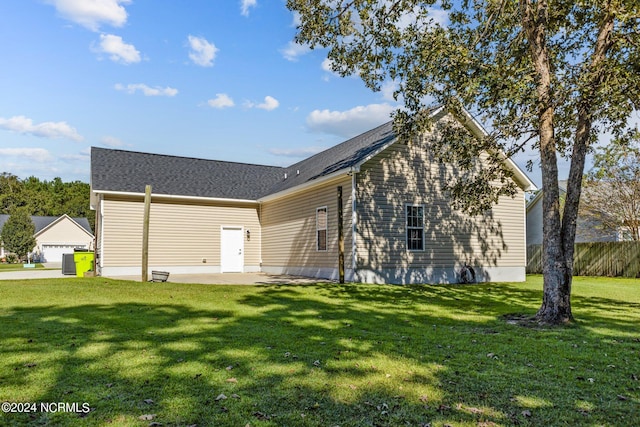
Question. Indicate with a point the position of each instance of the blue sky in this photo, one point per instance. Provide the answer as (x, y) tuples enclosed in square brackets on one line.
[(204, 78)]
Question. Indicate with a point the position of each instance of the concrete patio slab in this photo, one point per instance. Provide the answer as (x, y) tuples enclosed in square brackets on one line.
[(234, 279), (212, 279)]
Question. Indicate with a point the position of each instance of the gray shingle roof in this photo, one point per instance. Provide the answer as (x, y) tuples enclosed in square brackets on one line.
[(129, 171), (42, 222), (342, 156)]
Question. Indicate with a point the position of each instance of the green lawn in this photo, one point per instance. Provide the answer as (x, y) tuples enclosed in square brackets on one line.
[(18, 267), (141, 354)]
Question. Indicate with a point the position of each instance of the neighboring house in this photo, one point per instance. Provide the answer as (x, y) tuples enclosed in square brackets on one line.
[(57, 235), (215, 216), (587, 229)]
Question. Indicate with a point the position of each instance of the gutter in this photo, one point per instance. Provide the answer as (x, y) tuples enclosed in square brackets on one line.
[(174, 197)]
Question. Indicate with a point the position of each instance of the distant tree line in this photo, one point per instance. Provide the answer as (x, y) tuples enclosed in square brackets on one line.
[(45, 198)]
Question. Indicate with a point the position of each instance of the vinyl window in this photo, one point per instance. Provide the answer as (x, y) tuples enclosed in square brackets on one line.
[(321, 228), (415, 227)]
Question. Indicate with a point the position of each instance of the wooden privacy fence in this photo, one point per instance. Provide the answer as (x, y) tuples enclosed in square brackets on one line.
[(595, 259)]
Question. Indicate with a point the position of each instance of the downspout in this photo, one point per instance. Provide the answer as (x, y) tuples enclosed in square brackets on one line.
[(524, 210), (101, 250), (260, 222), (354, 226)]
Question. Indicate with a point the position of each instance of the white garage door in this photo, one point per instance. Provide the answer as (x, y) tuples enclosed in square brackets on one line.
[(53, 253)]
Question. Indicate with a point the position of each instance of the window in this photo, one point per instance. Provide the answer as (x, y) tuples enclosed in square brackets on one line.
[(415, 228), (321, 229)]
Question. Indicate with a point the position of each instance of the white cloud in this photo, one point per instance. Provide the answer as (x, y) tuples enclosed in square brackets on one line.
[(111, 141), (270, 103), (75, 157), (294, 50), (118, 50), (222, 100), (202, 51), (297, 20), (388, 88), (24, 125), (439, 16), (296, 152), (350, 122), (92, 13), (245, 5), (147, 90), (327, 65), (39, 155)]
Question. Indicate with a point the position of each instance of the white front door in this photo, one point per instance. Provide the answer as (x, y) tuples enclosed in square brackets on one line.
[(232, 250)]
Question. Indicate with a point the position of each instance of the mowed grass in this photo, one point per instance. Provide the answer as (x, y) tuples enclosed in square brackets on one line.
[(17, 267), (143, 354)]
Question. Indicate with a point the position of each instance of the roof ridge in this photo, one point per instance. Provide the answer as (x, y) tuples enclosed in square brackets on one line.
[(185, 157)]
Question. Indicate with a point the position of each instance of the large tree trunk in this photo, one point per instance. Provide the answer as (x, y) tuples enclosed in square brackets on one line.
[(559, 234), (557, 266), (557, 271), (556, 301)]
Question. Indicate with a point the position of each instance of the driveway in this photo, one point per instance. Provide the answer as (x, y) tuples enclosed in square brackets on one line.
[(31, 273)]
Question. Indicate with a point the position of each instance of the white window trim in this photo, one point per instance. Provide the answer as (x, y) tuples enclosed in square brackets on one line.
[(326, 229), (406, 226)]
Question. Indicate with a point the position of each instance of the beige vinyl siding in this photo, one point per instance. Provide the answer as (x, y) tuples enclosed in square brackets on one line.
[(180, 234), (405, 174), (534, 223), (289, 227)]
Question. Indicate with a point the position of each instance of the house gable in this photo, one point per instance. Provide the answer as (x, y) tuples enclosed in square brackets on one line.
[(405, 181), (349, 156), (45, 224)]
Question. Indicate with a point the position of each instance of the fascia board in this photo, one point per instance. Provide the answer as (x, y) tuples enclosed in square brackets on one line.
[(52, 223), (306, 185), (436, 113), (174, 197), (534, 201), (476, 128)]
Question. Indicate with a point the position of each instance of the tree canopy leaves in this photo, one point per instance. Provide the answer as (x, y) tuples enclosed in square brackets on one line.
[(477, 54), (46, 198), (552, 76)]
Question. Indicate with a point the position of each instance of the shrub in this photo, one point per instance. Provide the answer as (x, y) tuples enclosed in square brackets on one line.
[(17, 233)]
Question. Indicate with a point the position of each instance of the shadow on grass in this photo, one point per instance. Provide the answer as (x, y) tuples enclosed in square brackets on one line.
[(348, 355)]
